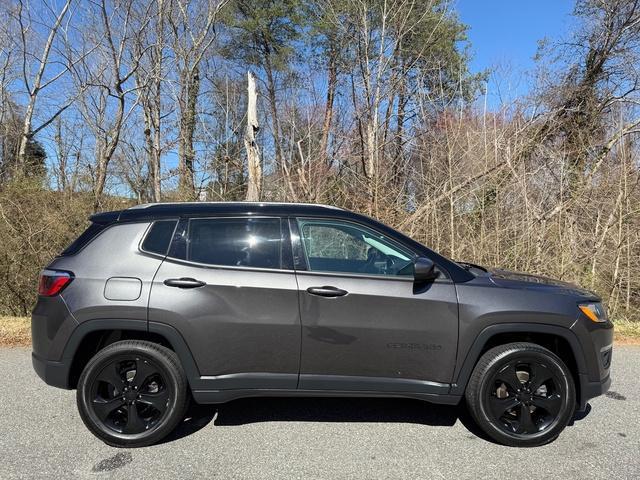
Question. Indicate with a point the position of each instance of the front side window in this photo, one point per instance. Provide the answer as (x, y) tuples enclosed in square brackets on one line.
[(238, 242), (339, 246)]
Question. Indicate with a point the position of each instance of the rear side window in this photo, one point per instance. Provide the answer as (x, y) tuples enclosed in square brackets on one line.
[(159, 237), (239, 242), (89, 234)]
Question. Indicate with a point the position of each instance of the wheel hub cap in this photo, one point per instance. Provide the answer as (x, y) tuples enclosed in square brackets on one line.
[(130, 395)]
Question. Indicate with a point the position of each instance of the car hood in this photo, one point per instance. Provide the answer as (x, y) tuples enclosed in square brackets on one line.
[(508, 279)]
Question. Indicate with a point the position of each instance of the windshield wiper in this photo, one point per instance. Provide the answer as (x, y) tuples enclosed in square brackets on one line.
[(469, 266)]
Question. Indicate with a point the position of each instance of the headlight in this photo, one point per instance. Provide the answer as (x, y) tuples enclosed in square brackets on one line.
[(594, 311)]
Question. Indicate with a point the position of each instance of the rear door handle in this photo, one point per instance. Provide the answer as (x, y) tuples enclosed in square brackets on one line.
[(327, 291), (184, 282)]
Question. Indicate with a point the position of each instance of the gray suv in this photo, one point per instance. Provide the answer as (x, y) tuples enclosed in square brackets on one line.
[(159, 304)]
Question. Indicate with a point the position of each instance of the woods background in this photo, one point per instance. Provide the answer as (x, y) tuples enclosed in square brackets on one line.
[(364, 104)]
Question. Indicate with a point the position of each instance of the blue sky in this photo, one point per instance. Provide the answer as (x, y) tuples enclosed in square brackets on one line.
[(504, 35)]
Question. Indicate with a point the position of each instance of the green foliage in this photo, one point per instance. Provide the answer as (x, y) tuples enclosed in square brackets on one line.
[(10, 133), (436, 49), (261, 30)]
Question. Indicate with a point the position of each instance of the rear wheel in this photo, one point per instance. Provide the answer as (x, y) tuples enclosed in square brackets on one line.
[(132, 393), (521, 394)]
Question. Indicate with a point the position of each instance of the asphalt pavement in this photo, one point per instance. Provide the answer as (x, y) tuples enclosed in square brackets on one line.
[(42, 436)]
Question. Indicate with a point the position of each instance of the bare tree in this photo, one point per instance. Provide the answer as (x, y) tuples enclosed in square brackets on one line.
[(150, 78), (107, 81), (192, 23), (254, 182), (36, 84)]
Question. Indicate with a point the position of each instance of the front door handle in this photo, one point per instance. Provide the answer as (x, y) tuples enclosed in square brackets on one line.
[(184, 282), (327, 291)]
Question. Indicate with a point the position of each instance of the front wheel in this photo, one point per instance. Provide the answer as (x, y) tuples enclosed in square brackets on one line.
[(132, 393), (521, 394)]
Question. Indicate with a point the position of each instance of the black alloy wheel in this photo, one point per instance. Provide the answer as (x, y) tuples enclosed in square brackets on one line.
[(526, 397), (132, 393), (521, 394)]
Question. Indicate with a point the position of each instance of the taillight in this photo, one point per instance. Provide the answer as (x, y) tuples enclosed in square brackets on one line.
[(52, 282)]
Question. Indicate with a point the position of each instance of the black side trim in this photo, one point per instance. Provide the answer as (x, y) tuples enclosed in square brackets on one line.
[(460, 383), (182, 350), (375, 384), (222, 396), (249, 381), (57, 373)]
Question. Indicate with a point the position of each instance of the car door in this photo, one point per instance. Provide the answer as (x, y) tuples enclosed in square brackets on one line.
[(230, 291), (365, 324)]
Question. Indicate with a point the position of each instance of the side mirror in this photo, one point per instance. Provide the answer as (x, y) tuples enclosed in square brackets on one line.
[(424, 270)]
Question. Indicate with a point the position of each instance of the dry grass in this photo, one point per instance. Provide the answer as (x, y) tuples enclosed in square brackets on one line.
[(627, 332), (15, 331)]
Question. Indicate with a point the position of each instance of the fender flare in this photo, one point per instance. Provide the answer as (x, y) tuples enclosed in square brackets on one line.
[(473, 355), (172, 335)]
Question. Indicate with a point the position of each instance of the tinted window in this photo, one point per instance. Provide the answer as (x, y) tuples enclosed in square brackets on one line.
[(86, 236), (159, 237), (241, 242), (336, 246)]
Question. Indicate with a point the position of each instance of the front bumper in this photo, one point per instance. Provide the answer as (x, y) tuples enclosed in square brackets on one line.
[(589, 390), (596, 340)]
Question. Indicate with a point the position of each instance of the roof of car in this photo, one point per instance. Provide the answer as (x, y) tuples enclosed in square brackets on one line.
[(150, 211)]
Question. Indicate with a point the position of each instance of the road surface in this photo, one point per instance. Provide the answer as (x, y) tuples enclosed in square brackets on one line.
[(42, 436)]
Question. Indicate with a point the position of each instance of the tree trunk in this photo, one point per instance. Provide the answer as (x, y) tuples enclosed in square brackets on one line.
[(332, 77), (151, 107), (156, 108), (190, 88), (37, 85), (398, 161), (271, 86), (253, 153)]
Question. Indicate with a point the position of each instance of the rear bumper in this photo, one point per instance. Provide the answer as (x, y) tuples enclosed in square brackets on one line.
[(53, 373), (51, 326)]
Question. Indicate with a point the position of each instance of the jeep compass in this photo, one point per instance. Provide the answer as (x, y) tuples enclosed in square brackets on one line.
[(160, 304)]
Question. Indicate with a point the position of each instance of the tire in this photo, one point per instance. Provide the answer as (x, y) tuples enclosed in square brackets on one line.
[(521, 395), (132, 393)]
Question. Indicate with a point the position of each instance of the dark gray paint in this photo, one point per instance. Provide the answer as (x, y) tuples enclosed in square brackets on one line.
[(243, 321), (113, 253), (259, 332), (381, 328), (123, 288)]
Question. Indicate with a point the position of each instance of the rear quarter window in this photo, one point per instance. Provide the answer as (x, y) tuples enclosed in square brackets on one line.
[(79, 243), (159, 237)]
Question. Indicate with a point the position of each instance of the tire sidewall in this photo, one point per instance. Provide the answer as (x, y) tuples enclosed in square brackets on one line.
[(567, 390), (170, 374)]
